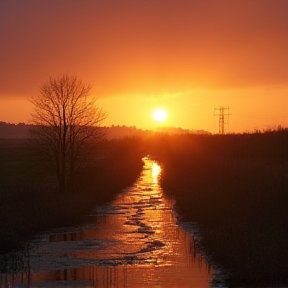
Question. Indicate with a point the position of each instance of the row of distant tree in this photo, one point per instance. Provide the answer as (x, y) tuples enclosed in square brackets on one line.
[(21, 130)]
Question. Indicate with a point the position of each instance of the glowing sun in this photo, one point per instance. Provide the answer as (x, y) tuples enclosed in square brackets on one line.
[(159, 115)]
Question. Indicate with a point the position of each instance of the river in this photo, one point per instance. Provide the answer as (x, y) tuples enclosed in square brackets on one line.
[(135, 241)]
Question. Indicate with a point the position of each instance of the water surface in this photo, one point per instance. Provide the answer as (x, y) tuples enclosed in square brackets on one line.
[(135, 241)]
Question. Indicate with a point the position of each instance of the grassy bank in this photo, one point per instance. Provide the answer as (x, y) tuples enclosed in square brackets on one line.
[(236, 188), (30, 203)]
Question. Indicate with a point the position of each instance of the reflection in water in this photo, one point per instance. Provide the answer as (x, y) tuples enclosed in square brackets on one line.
[(156, 169), (133, 242)]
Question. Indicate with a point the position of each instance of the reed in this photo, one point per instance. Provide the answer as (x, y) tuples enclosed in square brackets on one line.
[(236, 188)]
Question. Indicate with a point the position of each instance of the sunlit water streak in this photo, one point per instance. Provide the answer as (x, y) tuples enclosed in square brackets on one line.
[(133, 242)]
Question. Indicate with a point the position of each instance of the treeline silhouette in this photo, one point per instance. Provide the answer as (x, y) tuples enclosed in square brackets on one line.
[(11, 130), (236, 188), (21, 130)]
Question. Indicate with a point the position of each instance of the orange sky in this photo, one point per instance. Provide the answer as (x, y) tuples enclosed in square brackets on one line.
[(186, 56)]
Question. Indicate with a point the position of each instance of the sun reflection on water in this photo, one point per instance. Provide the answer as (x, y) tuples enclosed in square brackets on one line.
[(156, 170)]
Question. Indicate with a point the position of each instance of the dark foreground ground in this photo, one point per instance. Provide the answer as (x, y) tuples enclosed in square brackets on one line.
[(236, 188), (30, 203)]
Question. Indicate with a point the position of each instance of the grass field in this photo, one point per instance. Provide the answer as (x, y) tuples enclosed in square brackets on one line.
[(236, 188), (29, 199)]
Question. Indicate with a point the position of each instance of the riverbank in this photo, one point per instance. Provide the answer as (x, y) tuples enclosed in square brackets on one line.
[(30, 203), (235, 187)]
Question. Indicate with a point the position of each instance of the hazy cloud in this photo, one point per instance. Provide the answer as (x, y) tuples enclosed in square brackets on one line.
[(143, 47)]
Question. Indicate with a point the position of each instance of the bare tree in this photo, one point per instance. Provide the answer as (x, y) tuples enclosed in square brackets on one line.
[(66, 119)]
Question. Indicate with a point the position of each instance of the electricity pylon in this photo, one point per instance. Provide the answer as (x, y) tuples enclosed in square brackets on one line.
[(223, 117)]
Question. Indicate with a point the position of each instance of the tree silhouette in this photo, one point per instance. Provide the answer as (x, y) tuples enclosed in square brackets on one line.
[(66, 119)]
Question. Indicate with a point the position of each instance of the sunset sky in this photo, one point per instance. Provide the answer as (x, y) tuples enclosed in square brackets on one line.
[(186, 56)]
